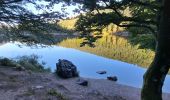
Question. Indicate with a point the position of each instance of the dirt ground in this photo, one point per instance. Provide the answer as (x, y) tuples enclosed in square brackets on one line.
[(26, 85)]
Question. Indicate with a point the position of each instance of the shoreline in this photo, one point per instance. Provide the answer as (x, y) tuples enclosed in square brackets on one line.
[(24, 85)]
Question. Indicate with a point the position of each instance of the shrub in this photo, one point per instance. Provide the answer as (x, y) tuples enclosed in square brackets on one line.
[(145, 41), (7, 62), (31, 63), (28, 62)]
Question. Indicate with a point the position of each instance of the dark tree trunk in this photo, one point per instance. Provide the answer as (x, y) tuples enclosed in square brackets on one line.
[(156, 73)]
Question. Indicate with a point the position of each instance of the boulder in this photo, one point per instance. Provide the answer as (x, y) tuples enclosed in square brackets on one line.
[(82, 82), (66, 69), (112, 78), (101, 72), (19, 67)]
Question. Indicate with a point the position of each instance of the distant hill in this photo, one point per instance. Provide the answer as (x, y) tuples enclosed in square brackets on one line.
[(69, 24)]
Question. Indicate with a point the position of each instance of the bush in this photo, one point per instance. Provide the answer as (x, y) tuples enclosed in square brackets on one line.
[(31, 63), (7, 62), (145, 41), (28, 62), (136, 31)]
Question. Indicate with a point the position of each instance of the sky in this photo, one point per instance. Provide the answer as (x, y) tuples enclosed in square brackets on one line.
[(57, 7)]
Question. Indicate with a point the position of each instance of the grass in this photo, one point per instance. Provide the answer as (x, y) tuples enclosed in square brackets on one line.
[(53, 92), (115, 48)]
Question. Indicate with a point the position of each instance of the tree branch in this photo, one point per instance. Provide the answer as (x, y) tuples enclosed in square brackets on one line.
[(137, 25), (9, 2), (149, 5)]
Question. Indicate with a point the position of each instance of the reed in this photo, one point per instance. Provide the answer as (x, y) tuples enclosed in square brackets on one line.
[(116, 48)]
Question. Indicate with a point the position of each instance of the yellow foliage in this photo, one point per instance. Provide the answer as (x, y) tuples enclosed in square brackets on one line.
[(115, 48)]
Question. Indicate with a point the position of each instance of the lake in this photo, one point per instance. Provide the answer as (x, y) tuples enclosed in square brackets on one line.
[(87, 64)]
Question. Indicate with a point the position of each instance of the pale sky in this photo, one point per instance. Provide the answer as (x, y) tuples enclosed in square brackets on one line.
[(57, 7)]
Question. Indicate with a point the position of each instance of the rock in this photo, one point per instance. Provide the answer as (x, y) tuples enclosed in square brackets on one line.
[(66, 69), (37, 87), (101, 72), (19, 68), (82, 82), (112, 78)]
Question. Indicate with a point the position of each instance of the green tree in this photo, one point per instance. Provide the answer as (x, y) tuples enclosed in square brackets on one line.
[(153, 15), (24, 25)]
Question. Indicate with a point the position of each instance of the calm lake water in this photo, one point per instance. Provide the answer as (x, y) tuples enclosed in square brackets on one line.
[(87, 64)]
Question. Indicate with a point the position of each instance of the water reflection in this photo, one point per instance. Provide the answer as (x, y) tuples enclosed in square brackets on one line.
[(87, 63)]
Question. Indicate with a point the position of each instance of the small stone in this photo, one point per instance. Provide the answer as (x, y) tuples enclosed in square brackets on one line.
[(82, 82), (101, 72), (38, 87), (112, 78)]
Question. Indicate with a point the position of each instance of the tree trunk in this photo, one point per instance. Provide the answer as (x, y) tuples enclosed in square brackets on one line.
[(156, 73)]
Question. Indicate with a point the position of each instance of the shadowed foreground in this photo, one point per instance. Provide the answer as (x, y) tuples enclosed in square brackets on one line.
[(26, 85)]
